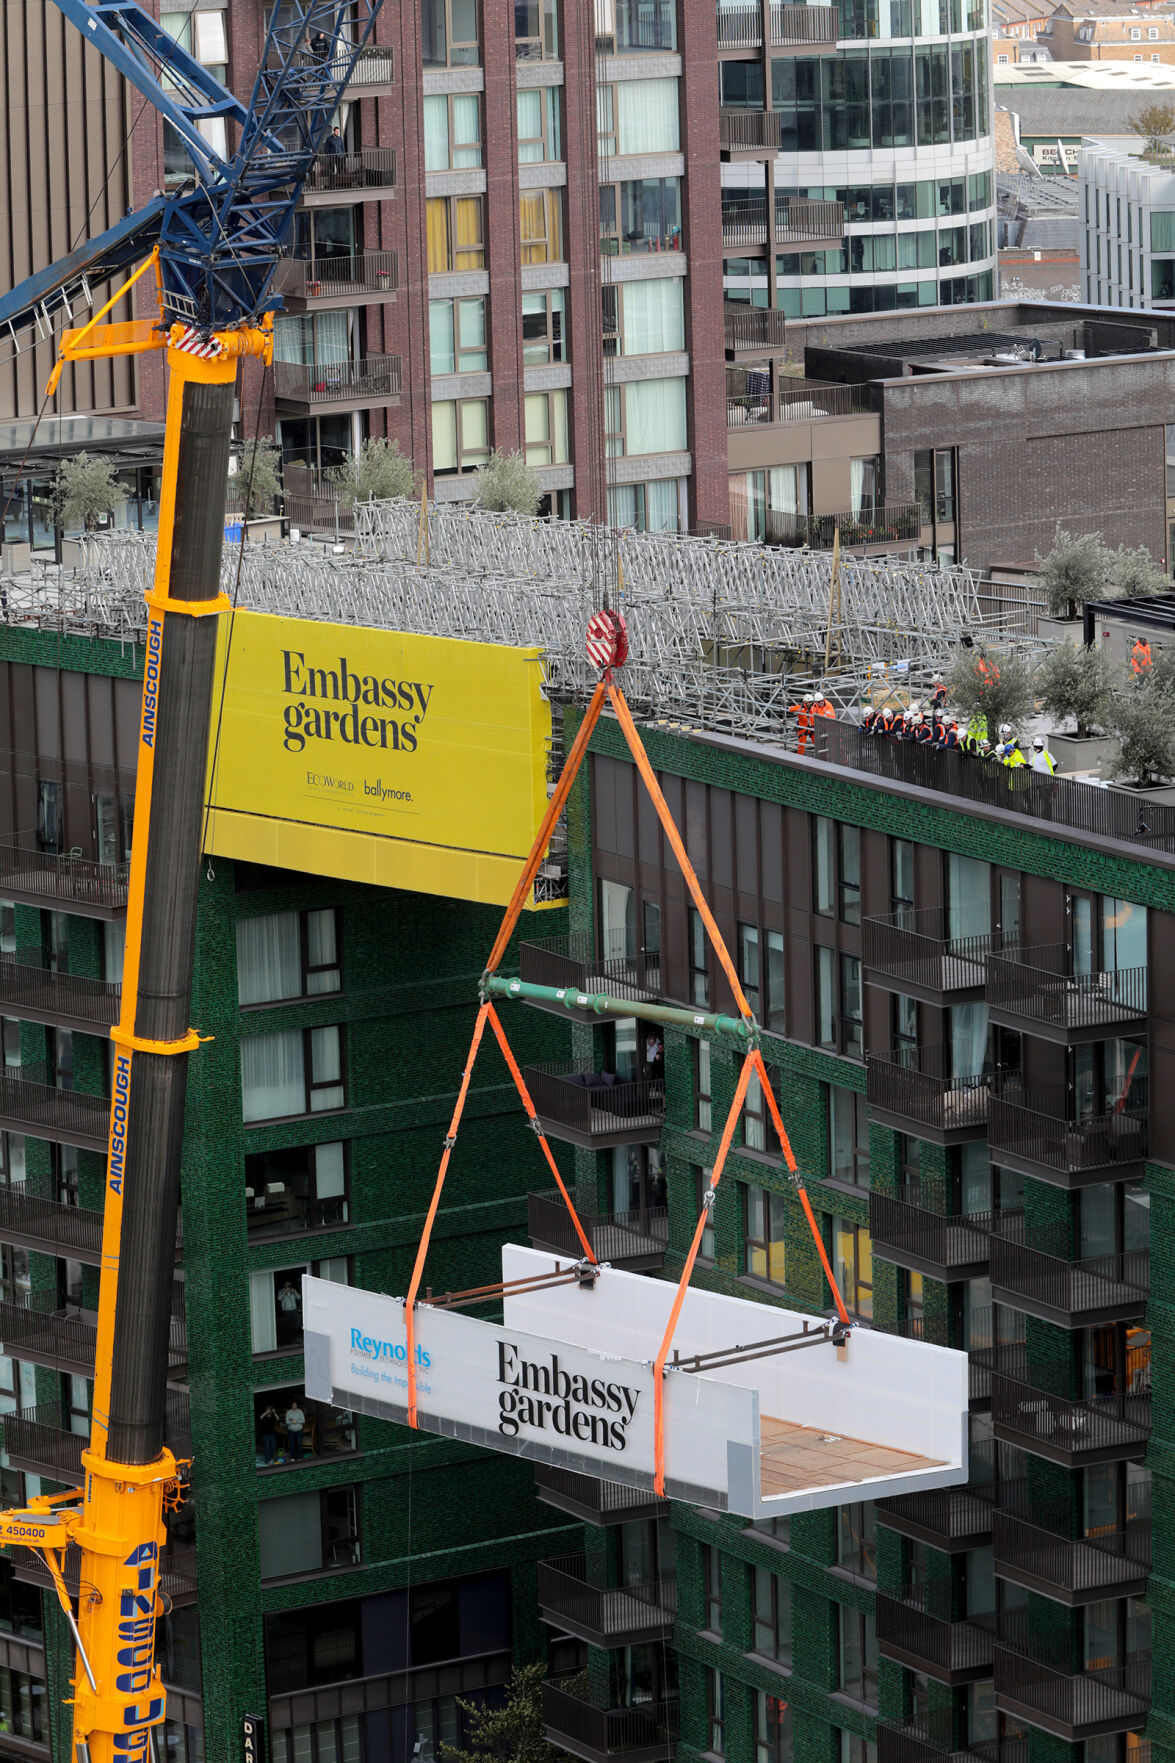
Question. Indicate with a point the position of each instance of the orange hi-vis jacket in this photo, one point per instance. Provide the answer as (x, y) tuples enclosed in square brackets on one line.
[(806, 715), (1140, 658)]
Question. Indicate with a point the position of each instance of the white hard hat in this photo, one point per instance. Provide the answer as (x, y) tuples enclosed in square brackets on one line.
[(1037, 742), (915, 708), (809, 698), (1005, 728)]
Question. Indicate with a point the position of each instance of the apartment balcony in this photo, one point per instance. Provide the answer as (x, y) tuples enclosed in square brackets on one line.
[(594, 1501), (31, 1102), (985, 1359), (749, 134), (569, 964), (65, 880), (1073, 1706), (369, 173), (897, 525), (574, 1598), (41, 1442), (330, 387), (633, 1240), (49, 1226), (1033, 990), (809, 30), (951, 1519), (744, 224), (790, 400), (914, 953), (1075, 1294), (595, 1109), (899, 1743), (1110, 1428), (945, 1247), (752, 327), (29, 989), (1072, 1571), (362, 278), (1035, 1133), (740, 27), (919, 1628), (177, 1571), (797, 221), (589, 1729), (917, 1091), (374, 72), (37, 1326)]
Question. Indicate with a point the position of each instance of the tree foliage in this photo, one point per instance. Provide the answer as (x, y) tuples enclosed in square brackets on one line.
[(506, 483), (512, 1733), (256, 479), (1077, 684), (86, 488), (1154, 122), (378, 472), (995, 685), (1078, 568), (1135, 574), (1143, 719)]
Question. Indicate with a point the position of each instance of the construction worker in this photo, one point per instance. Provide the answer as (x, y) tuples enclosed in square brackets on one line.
[(976, 733), (1042, 759), (822, 707), (952, 741), (886, 723), (910, 721), (924, 733), (1140, 659), (1013, 758), (938, 693), (803, 713), (984, 749)]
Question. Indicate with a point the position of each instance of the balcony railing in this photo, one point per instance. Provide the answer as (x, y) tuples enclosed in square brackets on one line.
[(921, 1627), (591, 1729), (1033, 1128), (370, 380), (947, 1518), (41, 1439), (592, 1110), (31, 1101), (897, 523), (804, 26), (177, 1570), (949, 1245), (912, 1744), (593, 1500), (1028, 794), (66, 878), (745, 223), (917, 949), (36, 1325), (570, 962), (368, 168), (1077, 1570), (72, 1231), (791, 401), (636, 33), (1036, 984), (740, 27), (572, 1595), (749, 131), (335, 278), (753, 327), (374, 66), (799, 219), (27, 985), (1072, 1705), (1097, 1288), (1111, 1427), (920, 1086), (619, 1237)]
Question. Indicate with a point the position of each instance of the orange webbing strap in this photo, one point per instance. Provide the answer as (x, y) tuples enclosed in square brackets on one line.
[(740, 1091), (789, 1159), (649, 776), (520, 1086), (422, 1251), (554, 810)]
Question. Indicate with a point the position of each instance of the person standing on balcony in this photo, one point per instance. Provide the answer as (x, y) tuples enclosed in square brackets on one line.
[(334, 148)]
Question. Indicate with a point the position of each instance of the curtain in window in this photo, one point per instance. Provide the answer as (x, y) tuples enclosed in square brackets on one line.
[(262, 1311), (444, 437), (1163, 230), (335, 1269), (269, 958), (466, 132), (783, 490), (329, 1171), (440, 337), (654, 412), (969, 893), (326, 1066), (541, 225), (661, 506), (114, 939), (436, 134), (292, 339), (469, 239), (332, 338), (321, 951), (622, 505), (289, 1532), (654, 318), (856, 484), (646, 116), (439, 250), (968, 1039), (530, 126), (475, 428), (272, 1075)]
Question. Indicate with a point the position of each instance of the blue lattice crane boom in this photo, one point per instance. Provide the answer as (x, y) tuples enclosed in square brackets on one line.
[(214, 245)]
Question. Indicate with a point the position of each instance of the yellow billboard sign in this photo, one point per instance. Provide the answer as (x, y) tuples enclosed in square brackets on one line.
[(407, 761)]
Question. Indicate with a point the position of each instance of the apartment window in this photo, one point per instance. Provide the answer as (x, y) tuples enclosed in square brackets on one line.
[(773, 1729), (771, 1633), (22, 1705), (849, 1122), (759, 1132), (712, 1577), (776, 1013), (748, 964), (536, 30), (702, 1086), (825, 973), (644, 416), (456, 236), (287, 955), (12, 1159), (1153, 32), (114, 818), (706, 1247), (460, 435), (546, 428), (204, 36), (7, 927), (715, 1713), (851, 1024), (858, 1656), (901, 858), (634, 26), (637, 116), (320, 1741), (304, 1187), (934, 470), (853, 1266), (858, 1750), (275, 1301), (449, 33), (457, 336), (541, 221), (544, 327), (764, 1250), (856, 1539), (50, 830), (639, 216), (297, 1071), (849, 893), (1135, 35), (644, 318), (540, 136), (699, 960), (309, 1533), (824, 846), (905, 1028), (645, 508), (320, 339), (452, 132)]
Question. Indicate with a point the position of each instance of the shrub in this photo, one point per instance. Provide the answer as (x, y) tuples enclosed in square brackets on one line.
[(1135, 574), (1077, 684), (86, 488), (1077, 569), (506, 482), (997, 686), (256, 479), (378, 472), (1144, 722), (509, 1734)]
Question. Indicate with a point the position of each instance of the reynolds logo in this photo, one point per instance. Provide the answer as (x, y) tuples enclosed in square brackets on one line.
[(369, 1348)]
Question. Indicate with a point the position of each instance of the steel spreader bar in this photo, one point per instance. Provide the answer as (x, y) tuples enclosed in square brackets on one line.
[(727, 1028)]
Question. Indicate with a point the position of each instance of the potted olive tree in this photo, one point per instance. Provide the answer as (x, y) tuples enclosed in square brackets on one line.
[(994, 685), (1076, 689), (253, 490), (1077, 568), (1143, 719)]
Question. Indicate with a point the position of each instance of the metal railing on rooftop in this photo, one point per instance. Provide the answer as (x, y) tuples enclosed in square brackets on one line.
[(895, 523), (793, 400)]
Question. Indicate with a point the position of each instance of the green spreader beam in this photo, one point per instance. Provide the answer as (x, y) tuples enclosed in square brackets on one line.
[(727, 1028)]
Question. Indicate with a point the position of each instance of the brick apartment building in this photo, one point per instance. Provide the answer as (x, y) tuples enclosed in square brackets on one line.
[(1105, 30)]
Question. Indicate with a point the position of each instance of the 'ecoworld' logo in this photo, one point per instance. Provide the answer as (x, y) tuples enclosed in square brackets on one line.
[(370, 1348)]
